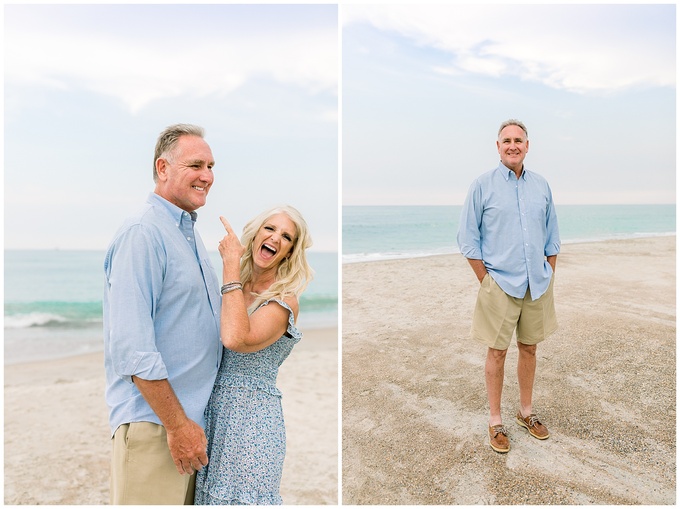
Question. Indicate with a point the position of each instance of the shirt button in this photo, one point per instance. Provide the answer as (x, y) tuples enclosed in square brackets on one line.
[(188, 238)]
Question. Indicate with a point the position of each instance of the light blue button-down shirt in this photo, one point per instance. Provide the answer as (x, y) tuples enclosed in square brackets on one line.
[(510, 224), (161, 313)]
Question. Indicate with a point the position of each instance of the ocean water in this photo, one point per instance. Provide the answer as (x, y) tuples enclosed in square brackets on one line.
[(53, 301), (384, 232)]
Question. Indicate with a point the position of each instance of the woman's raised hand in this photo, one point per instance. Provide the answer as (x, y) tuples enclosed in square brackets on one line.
[(230, 246)]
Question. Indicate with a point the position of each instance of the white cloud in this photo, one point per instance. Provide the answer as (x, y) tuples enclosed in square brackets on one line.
[(140, 71), (580, 48)]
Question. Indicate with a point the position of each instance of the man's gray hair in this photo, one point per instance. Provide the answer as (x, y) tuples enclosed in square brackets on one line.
[(167, 141), (513, 121)]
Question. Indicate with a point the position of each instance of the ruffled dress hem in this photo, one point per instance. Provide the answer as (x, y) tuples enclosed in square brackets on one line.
[(233, 497)]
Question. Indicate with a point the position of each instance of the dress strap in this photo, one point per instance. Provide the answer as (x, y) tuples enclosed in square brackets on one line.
[(292, 331)]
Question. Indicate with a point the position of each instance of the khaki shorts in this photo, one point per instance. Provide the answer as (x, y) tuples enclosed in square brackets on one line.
[(497, 315), (142, 470)]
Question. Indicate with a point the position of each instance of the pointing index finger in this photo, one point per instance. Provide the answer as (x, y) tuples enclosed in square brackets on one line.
[(226, 225)]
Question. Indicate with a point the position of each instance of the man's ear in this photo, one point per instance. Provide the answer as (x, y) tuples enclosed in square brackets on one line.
[(161, 169)]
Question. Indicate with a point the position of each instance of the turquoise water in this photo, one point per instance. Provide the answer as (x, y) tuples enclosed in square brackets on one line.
[(53, 301), (383, 232)]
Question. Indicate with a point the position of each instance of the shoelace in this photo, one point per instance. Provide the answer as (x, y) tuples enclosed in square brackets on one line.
[(533, 420), (500, 429)]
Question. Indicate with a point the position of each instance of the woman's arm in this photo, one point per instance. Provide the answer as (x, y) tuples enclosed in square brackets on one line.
[(261, 329)]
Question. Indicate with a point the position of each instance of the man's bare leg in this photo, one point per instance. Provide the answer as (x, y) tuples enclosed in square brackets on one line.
[(526, 371), (494, 372)]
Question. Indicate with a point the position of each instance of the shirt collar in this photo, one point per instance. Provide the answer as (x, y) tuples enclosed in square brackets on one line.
[(505, 171), (177, 213)]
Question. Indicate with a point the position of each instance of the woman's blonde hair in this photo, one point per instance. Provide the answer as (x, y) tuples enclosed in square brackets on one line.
[(293, 273)]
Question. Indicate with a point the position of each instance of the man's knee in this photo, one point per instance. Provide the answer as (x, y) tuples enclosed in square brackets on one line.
[(526, 349), (497, 355)]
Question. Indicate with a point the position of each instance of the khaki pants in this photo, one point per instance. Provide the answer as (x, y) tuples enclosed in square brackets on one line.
[(142, 470), (497, 315)]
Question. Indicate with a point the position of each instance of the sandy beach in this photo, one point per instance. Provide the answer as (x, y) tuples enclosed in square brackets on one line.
[(414, 401), (57, 448)]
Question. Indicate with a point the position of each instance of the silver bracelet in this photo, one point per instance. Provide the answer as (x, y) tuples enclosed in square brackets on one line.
[(230, 287)]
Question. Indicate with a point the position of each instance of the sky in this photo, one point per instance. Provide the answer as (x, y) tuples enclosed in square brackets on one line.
[(425, 88), (88, 88), (422, 90)]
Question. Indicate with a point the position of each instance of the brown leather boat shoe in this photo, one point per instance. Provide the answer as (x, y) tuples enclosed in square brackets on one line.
[(498, 438), (533, 425)]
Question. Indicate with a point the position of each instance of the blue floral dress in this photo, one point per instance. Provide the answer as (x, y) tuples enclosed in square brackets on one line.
[(245, 428)]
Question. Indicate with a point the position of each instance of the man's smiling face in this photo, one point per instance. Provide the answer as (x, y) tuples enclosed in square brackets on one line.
[(513, 146), (186, 175)]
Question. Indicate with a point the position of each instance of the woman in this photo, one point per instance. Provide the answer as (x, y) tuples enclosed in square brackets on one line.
[(244, 421)]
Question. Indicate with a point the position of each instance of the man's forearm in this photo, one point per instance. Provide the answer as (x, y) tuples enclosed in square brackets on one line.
[(186, 439), (162, 399), (478, 267), (552, 260)]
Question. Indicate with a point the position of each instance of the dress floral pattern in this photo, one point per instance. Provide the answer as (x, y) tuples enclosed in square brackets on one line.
[(245, 428)]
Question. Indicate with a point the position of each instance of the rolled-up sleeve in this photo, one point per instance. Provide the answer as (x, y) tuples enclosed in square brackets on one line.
[(552, 243), (134, 274), (469, 230)]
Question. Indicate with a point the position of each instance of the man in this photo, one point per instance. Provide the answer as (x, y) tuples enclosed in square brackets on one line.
[(508, 232), (161, 330)]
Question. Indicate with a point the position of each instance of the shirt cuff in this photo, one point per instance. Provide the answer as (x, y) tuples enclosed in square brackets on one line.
[(552, 250), (472, 253), (144, 365)]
